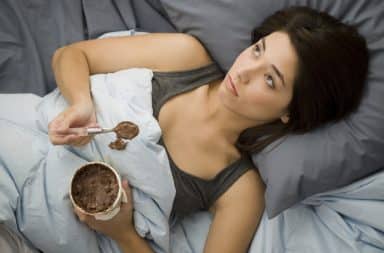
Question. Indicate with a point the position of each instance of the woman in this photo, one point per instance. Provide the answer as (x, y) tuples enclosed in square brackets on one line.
[(303, 69)]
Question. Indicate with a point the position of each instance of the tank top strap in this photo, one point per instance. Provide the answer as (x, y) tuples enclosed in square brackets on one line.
[(228, 176), (166, 85)]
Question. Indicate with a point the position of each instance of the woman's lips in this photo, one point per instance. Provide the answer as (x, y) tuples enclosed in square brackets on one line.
[(232, 86)]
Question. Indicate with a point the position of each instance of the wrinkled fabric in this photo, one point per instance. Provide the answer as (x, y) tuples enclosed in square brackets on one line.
[(349, 219), (296, 167), (10, 242), (31, 31), (35, 175)]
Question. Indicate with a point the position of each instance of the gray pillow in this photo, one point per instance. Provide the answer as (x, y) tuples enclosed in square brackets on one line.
[(324, 159)]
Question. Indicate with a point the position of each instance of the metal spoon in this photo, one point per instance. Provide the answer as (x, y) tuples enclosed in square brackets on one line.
[(85, 131), (125, 130)]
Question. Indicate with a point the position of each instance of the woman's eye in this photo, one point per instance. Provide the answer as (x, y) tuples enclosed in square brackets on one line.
[(257, 50), (270, 82)]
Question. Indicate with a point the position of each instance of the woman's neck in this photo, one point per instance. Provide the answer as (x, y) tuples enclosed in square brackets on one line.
[(219, 120)]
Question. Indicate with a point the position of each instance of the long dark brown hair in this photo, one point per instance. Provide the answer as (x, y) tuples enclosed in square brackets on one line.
[(329, 83)]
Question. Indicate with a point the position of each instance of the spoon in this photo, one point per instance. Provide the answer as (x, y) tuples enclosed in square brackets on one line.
[(125, 130), (85, 131)]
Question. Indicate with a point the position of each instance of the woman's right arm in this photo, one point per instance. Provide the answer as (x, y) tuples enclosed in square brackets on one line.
[(73, 64)]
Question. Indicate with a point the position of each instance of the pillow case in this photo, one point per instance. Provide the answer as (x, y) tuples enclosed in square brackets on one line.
[(326, 158)]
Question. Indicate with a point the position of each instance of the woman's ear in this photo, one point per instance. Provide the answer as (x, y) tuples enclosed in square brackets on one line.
[(285, 118)]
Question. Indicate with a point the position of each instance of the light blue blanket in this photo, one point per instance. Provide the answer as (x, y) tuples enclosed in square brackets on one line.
[(35, 175), (34, 178), (350, 219)]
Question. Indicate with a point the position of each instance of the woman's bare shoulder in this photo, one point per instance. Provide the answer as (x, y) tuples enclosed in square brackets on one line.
[(195, 55), (237, 214), (249, 187)]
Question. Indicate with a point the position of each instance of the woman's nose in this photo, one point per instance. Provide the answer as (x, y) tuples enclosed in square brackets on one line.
[(247, 72)]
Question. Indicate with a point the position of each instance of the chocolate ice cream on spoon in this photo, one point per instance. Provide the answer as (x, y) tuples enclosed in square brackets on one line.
[(125, 130)]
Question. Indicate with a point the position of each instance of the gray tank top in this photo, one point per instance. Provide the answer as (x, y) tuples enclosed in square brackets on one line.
[(193, 193)]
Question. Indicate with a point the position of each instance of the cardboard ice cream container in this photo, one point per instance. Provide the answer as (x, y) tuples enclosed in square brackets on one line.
[(96, 190)]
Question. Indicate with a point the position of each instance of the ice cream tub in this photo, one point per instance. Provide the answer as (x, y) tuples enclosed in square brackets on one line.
[(96, 190)]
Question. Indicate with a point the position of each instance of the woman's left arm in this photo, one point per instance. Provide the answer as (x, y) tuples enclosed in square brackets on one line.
[(133, 242), (237, 214), (120, 228)]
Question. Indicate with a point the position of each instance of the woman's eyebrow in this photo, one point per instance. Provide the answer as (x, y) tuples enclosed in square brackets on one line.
[(263, 42), (278, 73)]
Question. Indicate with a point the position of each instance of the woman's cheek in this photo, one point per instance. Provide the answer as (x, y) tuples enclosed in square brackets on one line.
[(258, 95), (265, 104)]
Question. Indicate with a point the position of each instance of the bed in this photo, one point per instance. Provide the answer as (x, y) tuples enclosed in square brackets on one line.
[(332, 202)]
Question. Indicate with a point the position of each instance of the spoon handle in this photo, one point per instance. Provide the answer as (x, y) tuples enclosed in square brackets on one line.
[(98, 130), (84, 131)]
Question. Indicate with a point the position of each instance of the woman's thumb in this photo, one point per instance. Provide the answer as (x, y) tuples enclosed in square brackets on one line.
[(127, 190), (125, 185)]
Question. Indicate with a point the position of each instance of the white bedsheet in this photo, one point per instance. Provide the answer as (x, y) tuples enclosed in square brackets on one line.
[(35, 175), (34, 178), (346, 220)]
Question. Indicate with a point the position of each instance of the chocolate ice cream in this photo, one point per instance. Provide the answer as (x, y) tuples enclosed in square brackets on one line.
[(118, 144), (94, 188), (124, 130)]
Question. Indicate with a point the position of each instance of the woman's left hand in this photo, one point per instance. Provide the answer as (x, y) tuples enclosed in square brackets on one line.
[(120, 225)]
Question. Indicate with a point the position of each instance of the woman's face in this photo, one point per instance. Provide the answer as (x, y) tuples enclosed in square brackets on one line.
[(259, 84)]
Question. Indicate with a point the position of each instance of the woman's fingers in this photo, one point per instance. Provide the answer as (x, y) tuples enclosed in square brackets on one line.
[(63, 121), (58, 129), (61, 139), (89, 220), (79, 214), (69, 139), (56, 123), (82, 217), (93, 124), (125, 185), (80, 141), (128, 193), (80, 115)]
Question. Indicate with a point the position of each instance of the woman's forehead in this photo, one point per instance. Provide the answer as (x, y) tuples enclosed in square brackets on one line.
[(280, 53)]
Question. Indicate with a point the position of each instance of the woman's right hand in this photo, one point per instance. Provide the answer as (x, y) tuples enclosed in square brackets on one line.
[(76, 115)]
